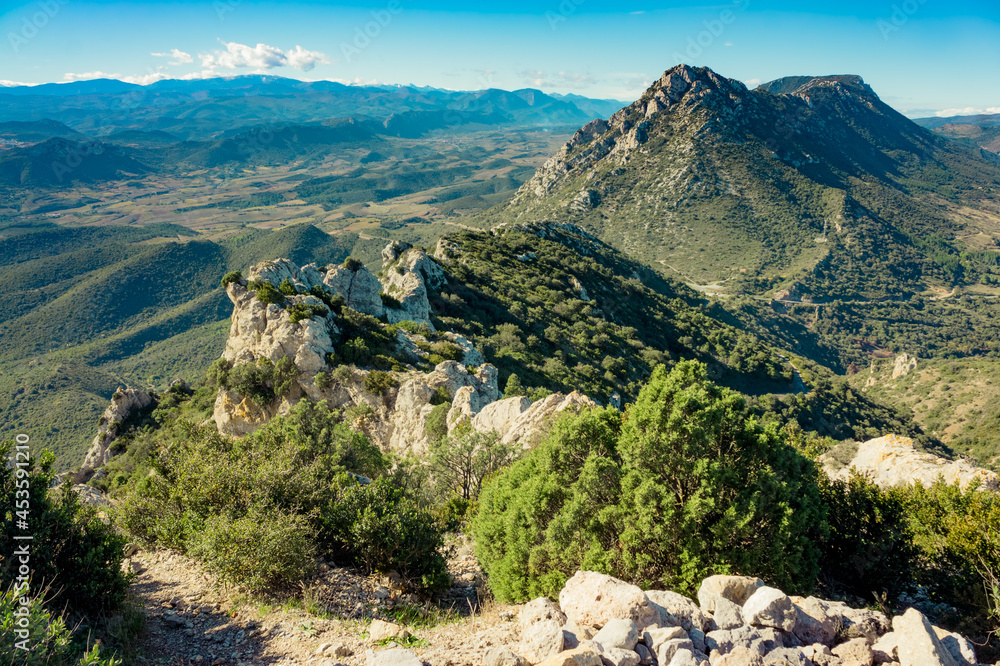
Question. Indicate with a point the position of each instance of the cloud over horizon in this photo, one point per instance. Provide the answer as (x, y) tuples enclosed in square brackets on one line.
[(262, 57)]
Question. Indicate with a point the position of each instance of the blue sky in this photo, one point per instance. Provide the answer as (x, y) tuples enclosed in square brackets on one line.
[(921, 56)]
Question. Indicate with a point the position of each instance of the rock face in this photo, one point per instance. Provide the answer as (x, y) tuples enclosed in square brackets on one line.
[(736, 589), (892, 461), (409, 276), (358, 287), (125, 404), (525, 423), (918, 645)]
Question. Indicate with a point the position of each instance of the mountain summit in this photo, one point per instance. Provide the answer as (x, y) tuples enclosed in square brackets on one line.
[(806, 186)]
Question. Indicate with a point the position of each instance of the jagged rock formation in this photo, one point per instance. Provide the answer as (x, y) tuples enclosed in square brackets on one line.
[(126, 404), (602, 620), (892, 460), (520, 420), (409, 275), (395, 417)]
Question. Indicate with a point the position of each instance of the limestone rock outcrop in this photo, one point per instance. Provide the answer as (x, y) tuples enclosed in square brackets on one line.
[(893, 460), (357, 286), (410, 274), (518, 420), (126, 403)]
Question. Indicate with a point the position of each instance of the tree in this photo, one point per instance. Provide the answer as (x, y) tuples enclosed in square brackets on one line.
[(461, 461), (685, 485), (513, 388)]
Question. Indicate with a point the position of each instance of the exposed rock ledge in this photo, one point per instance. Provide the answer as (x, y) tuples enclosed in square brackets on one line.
[(892, 461)]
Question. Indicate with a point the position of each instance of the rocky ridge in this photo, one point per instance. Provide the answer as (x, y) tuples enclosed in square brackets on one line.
[(893, 460), (126, 404), (395, 415)]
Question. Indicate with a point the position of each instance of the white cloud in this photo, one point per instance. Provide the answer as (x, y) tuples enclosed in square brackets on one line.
[(262, 57), (10, 84), (968, 111), (89, 76), (179, 57), (541, 79), (752, 83), (146, 79)]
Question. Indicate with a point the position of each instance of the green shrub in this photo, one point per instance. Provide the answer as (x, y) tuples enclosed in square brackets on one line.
[(379, 527), (263, 381), (685, 485), (264, 549), (49, 641), (513, 388), (257, 510), (352, 264), (73, 552), (229, 278), (322, 380), (266, 293), (378, 382), (287, 288), (390, 301), (436, 426), (869, 550), (301, 311)]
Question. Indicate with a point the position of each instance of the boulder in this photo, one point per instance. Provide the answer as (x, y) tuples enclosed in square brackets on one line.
[(958, 646), (917, 643), (665, 651), (498, 656), (676, 610), (685, 657), (593, 599), (893, 460), (618, 633), (855, 652), (379, 630), (393, 657), (761, 639), (740, 656), (814, 624), (770, 607), (619, 657), (581, 656), (860, 622), (885, 649), (727, 615), (735, 588), (540, 609), (498, 416), (654, 637), (541, 640), (530, 426), (646, 657)]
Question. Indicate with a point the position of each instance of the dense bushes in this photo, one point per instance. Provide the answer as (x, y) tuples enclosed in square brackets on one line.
[(686, 484), (73, 552), (258, 510), (262, 382), (50, 644)]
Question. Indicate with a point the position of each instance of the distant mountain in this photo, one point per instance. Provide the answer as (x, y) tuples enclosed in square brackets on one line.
[(61, 162), (203, 109), (807, 188), (34, 131), (980, 130), (598, 108)]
